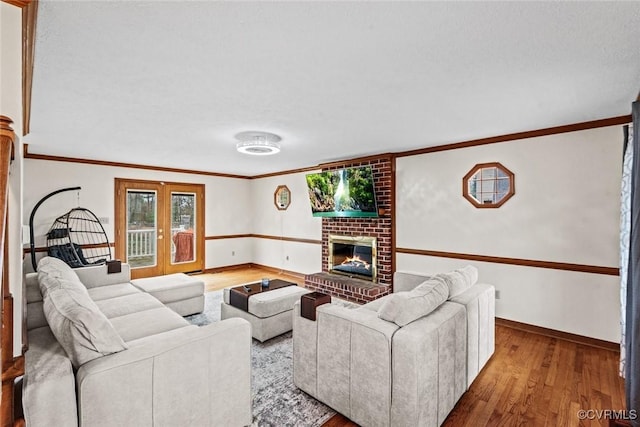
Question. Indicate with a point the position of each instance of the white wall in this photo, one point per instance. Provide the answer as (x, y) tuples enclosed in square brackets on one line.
[(565, 209), (227, 205), (296, 222), (11, 63), (233, 206), (11, 106)]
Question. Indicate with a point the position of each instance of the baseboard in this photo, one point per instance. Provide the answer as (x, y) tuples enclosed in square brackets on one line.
[(295, 274), (224, 268), (227, 268), (553, 333)]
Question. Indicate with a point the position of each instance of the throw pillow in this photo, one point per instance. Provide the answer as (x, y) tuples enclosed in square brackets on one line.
[(460, 280), (79, 326), (403, 308), (53, 272)]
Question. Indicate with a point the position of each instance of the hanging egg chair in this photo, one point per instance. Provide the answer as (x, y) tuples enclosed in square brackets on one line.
[(78, 239)]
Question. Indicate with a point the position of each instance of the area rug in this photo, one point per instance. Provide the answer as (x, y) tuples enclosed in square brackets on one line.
[(276, 400)]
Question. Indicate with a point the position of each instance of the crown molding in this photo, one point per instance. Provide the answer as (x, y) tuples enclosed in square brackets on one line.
[(285, 172), (18, 3), (593, 124), (28, 155)]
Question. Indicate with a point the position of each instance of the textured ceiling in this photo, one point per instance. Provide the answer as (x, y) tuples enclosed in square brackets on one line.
[(170, 83)]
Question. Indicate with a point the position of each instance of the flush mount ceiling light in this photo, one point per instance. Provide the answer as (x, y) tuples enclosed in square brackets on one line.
[(258, 143)]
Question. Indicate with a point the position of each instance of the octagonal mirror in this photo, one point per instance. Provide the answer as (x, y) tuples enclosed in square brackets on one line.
[(488, 185), (282, 197)]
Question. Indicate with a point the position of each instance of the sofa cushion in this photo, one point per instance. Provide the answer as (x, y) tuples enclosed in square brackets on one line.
[(141, 324), (112, 291), (127, 304), (171, 287), (460, 280), (80, 327), (403, 308), (32, 288)]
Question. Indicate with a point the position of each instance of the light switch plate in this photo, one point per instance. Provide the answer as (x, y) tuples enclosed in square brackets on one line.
[(25, 235)]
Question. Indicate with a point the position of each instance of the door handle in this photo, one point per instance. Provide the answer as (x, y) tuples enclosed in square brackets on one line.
[(159, 237)]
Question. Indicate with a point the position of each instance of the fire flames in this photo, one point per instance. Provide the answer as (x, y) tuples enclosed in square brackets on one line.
[(356, 261)]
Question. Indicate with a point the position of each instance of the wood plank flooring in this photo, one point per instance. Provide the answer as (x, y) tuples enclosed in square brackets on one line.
[(530, 380), (235, 277), (536, 380)]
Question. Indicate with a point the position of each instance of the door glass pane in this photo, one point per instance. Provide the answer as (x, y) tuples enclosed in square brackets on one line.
[(183, 220), (141, 228)]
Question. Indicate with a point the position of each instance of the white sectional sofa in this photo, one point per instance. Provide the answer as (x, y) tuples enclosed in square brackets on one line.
[(404, 359), (104, 353)]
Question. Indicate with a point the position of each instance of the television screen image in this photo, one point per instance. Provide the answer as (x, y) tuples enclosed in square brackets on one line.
[(343, 193)]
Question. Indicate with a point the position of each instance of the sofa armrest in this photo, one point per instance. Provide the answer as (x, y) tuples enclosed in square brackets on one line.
[(305, 347), (48, 387), (189, 376), (479, 302), (97, 275), (354, 362), (429, 374)]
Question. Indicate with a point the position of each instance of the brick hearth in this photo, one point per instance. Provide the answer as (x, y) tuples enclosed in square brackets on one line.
[(344, 287)]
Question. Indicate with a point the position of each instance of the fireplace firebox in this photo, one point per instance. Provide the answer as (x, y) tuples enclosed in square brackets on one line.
[(353, 256)]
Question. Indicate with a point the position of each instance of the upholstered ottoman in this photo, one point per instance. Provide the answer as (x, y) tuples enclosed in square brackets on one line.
[(270, 313), (181, 293)]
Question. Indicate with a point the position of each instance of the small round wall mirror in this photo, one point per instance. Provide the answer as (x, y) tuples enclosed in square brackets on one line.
[(282, 197), (488, 185)]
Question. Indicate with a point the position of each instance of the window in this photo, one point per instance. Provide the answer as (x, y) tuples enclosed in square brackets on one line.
[(488, 185)]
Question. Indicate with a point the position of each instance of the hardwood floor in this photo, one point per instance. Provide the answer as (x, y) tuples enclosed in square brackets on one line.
[(530, 380), (235, 277), (536, 380)]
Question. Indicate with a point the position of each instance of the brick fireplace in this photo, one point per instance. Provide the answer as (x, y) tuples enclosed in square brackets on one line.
[(358, 288)]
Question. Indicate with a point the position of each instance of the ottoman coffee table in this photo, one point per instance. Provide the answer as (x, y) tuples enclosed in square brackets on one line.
[(269, 310)]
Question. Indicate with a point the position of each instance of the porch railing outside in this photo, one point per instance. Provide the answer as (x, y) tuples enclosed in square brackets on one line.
[(141, 246)]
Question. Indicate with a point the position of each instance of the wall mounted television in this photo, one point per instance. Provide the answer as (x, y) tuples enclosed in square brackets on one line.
[(347, 192)]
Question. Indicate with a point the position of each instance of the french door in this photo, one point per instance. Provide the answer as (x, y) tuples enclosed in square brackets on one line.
[(159, 226)]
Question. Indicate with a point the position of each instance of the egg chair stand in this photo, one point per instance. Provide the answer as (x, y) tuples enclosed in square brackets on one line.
[(77, 237)]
